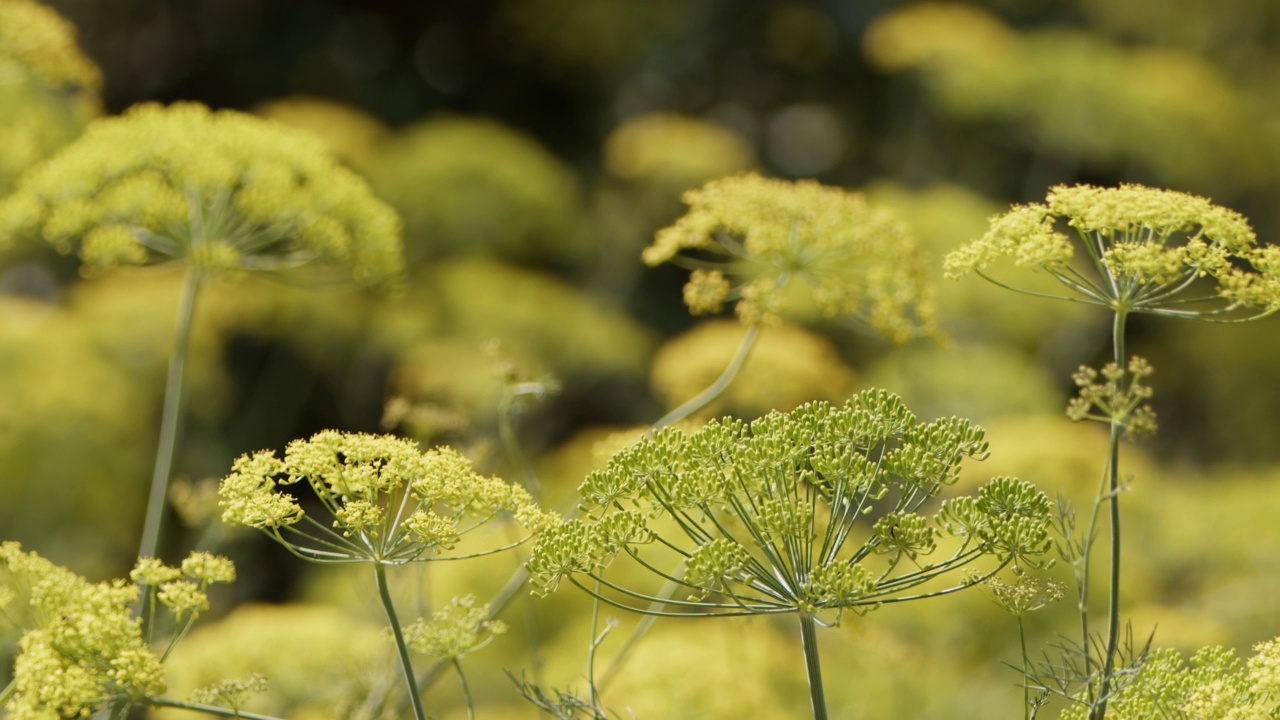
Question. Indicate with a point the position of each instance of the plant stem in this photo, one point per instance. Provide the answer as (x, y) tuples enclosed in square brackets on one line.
[(466, 690), (713, 390), (208, 709), (415, 698), (809, 639), (168, 443), (1099, 710)]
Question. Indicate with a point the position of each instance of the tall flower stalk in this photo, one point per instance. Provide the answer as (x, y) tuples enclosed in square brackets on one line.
[(812, 512), (217, 191), (1145, 251)]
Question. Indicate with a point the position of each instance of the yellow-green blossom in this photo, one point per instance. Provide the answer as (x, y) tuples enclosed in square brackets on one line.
[(1150, 250), (456, 630), (82, 648), (389, 501), (37, 43), (352, 134), (677, 149), (766, 235), (230, 693), (771, 516), (221, 190)]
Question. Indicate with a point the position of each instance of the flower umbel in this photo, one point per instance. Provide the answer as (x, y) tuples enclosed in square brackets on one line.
[(748, 237), (456, 630), (1148, 250), (1116, 398), (813, 510), (221, 190), (389, 502)]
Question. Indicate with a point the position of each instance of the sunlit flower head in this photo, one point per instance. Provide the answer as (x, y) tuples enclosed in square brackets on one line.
[(221, 190), (748, 238)]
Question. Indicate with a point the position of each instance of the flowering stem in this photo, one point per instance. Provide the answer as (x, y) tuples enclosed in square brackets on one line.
[(380, 575), (466, 690), (809, 639), (714, 389), (169, 416), (207, 709), (1099, 710)]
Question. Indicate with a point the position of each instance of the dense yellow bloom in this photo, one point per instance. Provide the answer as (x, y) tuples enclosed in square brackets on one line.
[(675, 148), (82, 648), (1151, 250), (390, 502), (220, 189), (853, 259), (37, 43)]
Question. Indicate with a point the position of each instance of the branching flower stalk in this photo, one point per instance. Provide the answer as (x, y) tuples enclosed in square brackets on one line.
[(1146, 250), (387, 504), (217, 191), (812, 512)]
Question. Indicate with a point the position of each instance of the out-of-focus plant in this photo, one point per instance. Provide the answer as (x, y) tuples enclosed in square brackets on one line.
[(673, 149), (390, 504), (83, 648), (1148, 251), (755, 242), (788, 366), (48, 87), (812, 512), (352, 134), (1080, 95), (472, 186), (218, 191)]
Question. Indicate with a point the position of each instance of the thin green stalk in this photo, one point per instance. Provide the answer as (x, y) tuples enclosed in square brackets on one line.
[(168, 443), (466, 690), (208, 709), (1026, 669), (591, 651), (809, 638), (1099, 711), (713, 390), (415, 698), (8, 692)]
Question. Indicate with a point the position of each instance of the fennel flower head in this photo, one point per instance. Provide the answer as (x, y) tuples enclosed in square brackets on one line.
[(813, 510), (748, 238), (38, 44), (1145, 250), (386, 501), (221, 190)]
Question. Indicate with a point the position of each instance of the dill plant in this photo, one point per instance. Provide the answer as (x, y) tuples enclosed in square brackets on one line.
[(1131, 250), (812, 513), (218, 192)]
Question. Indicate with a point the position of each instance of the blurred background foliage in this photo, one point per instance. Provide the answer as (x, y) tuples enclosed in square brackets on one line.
[(533, 147)]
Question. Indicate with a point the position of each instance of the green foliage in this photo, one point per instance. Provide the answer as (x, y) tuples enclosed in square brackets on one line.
[(814, 510)]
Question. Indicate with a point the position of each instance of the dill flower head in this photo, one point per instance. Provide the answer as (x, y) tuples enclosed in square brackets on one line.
[(473, 186), (675, 148), (37, 43), (749, 237), (81, 633), (458, 629), (388, 502), (816, 509), (1149, 250), (352, 134), (222, 190)]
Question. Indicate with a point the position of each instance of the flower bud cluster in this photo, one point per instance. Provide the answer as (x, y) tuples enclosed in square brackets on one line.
[(1118, 398), (461, 627)]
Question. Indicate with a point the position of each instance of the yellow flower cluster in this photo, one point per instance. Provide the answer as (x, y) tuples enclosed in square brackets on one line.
[(1078, 94), (390, 502), (37, 43), (352, 134), (222, 190), (83, 634), (675, 148), (459, 628), (1151, 250), (856, 260)]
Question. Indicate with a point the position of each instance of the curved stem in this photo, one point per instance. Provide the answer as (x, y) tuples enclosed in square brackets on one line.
[(415, 698), (466, 690), (170, 415), (207, 709), (1099, 710), (713, 390), (809, 638)]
